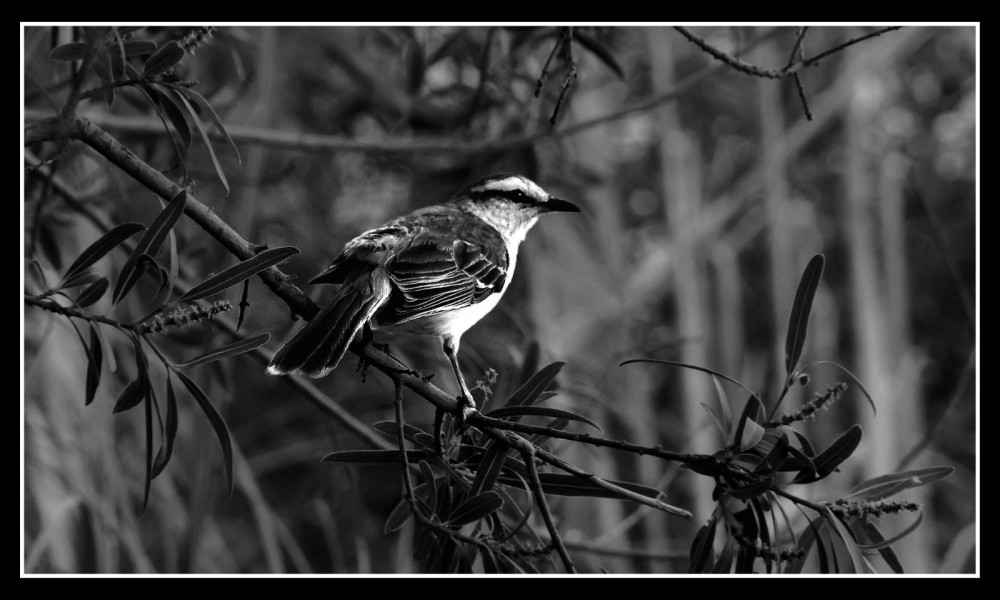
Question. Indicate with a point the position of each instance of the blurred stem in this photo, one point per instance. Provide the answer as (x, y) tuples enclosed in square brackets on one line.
[(528, 455)]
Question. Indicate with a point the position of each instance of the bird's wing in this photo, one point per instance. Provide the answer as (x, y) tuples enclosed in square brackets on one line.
[(443, 265)]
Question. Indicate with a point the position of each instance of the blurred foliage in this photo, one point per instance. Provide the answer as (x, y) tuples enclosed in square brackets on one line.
[(591, 292)]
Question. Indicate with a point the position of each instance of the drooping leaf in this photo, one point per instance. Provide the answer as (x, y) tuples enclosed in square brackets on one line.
[(218, 425), (836, 453), (429, 482), (120, 58), (806, 445), (888, 554), (398, 517), (166, 57), (529, 391), (530, 363), (715, 419), (752, 411), (238, 347), (94, 364), (489, 468), (600, 51), (798, 320), (174, 110), (129, 397), (149, 244), (540, 411), (724, 563), (701, 547), (237, 273), (69, 51), (208, 141), (884, 486), (726, 412), (775, 457), (475, 508), (163, 456), (92, 293), (90, 357), (687, 366), (106, 243), (198, 98), (858, 562), (148, 418), (375, 456)]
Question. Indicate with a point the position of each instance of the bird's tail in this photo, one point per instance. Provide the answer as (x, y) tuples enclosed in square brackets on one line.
[(319, 346)]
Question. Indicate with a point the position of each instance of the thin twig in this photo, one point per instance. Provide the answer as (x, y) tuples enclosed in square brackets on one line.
[(69, 311), (798, 49), (570, 77), (548, 61), (750, 69), (528, 454), (411, 498)]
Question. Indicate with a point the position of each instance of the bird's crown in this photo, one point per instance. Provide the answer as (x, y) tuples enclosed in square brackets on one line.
[(514, 188)]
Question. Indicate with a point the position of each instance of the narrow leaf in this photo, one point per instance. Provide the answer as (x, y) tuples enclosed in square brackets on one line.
[(887, 485), (398, 517), (207, 140), (390, 429), (94, 364), (726, 411), (701, 547), (149, 448), (218, 425), (174, 111), (237, 273), (752, 490), (139, 47), (798, 320), (149, 244), (429, 482), (475, 508), (163, 457), (375, 456), (885, 543), (888, 554), (166, 57), (83, 278), (541, 411), (228, 350), (723, 432), (561, 484), (858, 563), (92, 293), (752, 433), (836, 453), (529, 391), (130, 396), (70, 51), (215, 120), (687, 366), (106, 243), (752, 411), (488, 471)]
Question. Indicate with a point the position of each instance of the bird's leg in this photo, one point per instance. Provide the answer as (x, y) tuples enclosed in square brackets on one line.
[(468, 404)]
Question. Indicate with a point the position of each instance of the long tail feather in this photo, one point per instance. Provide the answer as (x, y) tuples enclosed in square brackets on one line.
[(318, 347)]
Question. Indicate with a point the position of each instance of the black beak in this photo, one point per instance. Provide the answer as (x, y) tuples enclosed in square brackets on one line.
[(558, 205)]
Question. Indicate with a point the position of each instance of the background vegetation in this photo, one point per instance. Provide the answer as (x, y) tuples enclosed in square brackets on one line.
[(704, 192)]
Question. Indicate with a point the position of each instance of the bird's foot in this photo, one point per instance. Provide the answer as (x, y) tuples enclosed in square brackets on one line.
[(467, 408)]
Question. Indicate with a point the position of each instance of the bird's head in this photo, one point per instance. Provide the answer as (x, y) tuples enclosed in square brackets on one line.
[(511, 203)]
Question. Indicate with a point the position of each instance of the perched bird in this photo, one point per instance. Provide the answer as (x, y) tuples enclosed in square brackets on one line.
[(435, 271)]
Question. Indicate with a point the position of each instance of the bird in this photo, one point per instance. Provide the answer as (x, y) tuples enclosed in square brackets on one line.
[(435, 271)]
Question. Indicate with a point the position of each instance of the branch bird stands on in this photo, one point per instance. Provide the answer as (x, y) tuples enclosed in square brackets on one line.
[(436, 271)]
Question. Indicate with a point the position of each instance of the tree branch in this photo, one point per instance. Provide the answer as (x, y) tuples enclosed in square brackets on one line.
[(791, 69)]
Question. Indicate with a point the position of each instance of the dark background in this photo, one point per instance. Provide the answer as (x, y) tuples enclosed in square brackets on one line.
[(702, 203)]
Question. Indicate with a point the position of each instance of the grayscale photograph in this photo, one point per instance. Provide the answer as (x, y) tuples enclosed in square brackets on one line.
[(500, 300)]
